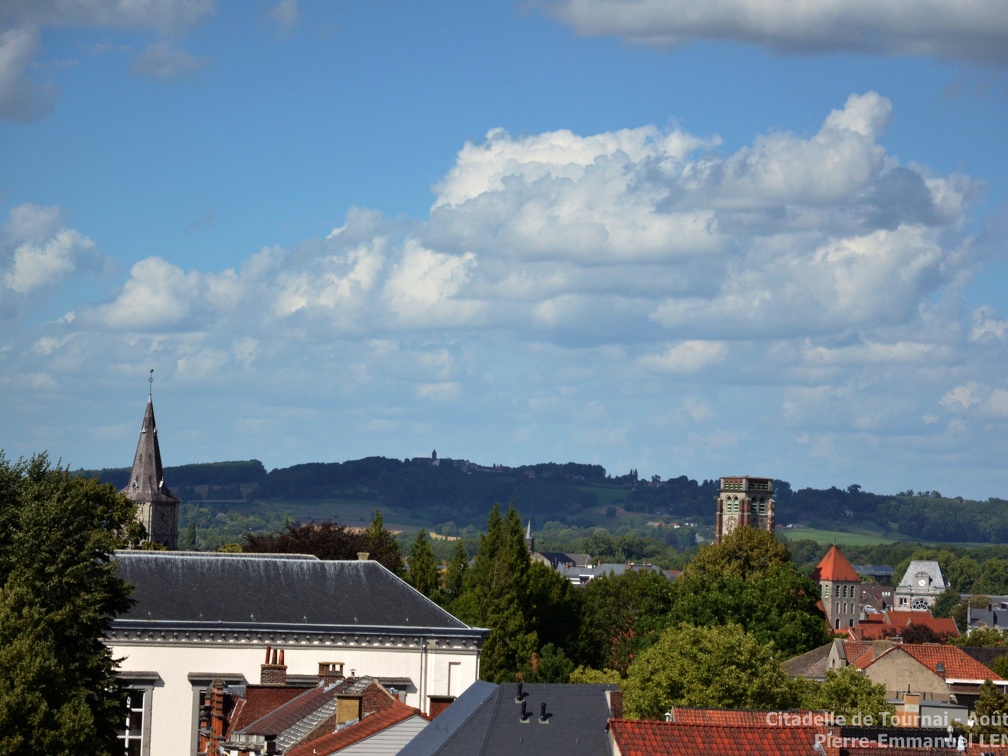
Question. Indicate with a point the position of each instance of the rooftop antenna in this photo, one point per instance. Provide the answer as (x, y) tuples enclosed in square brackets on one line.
[(150, 380)]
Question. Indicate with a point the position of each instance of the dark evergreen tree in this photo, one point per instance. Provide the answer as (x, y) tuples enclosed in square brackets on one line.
[(383, 546), (58, 592), (422, 573), (496, 596), (455, 576)]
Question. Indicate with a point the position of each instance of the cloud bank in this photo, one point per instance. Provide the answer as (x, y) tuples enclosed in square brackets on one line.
[(621, 284), (975, 31)]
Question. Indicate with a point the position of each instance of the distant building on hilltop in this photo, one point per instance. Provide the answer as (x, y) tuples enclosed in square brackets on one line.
[(744, 501), (158, 508)]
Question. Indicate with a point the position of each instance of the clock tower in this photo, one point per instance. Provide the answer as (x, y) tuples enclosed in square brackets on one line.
[(744, 501), (157, 507)]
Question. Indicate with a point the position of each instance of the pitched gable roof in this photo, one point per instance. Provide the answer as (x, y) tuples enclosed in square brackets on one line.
[(956, 664), (730, 737), (370, 725), (296, 718), (256, 590), (576, 721), (811, 664), (462, 709), (256, 701), (834, 567)]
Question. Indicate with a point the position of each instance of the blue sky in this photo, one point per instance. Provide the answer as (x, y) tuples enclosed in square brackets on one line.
[(677, 236)]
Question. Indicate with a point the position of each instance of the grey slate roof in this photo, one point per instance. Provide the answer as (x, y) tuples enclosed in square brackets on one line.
[(433, 736), (269, 590), (811, 664), (928, 567), (491, 723)]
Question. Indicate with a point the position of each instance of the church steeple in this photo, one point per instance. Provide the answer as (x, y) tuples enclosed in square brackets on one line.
[(158, 508), (529, 538)]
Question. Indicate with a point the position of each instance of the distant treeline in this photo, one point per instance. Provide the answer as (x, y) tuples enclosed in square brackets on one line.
[(202, 474), (460, 493)]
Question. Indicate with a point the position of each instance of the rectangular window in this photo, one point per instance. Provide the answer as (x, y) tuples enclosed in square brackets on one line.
[(454, 678), (825, 591), (131, 734)]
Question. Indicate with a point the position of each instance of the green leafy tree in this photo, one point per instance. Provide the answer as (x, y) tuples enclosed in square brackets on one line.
[(716, 667), (586, 675), (845, 692), (945, 603), (1000, 666), (990, 712), (621, 614), (982, 636), (496, 596), (58, 592), (422, 573), (549, 665), (748, 579), (743, 553)]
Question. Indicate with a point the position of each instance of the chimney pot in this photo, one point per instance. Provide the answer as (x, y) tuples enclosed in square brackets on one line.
[(363, 555)]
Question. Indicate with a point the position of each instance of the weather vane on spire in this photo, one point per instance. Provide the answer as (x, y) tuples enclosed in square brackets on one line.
[(150, 380)]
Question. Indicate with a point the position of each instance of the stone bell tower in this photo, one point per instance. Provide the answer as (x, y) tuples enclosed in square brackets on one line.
[(744, 501), (158, 508)]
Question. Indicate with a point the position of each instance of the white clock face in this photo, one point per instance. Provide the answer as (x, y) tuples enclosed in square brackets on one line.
[(922, 582)]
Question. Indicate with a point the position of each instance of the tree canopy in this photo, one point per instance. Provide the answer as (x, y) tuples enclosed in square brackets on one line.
[(330, 540), (715, 667), (58, 592), (748, 579)]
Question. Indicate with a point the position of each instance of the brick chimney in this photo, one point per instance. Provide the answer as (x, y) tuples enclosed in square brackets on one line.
[(273, 671), (212, 721), (330, 673)]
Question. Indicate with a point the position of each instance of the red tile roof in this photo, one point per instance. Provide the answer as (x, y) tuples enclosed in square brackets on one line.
[(365, 728), (958, 664), (835, 567), (894, 621), (259, 701), (646, 738), (719, 717)]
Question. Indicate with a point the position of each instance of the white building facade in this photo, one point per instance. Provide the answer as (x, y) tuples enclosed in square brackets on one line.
[(202, 617)]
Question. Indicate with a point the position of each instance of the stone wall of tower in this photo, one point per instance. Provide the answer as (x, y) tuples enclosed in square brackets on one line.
[(744, 501)]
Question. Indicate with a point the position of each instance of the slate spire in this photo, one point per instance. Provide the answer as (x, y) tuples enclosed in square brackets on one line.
[(158, 507)]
